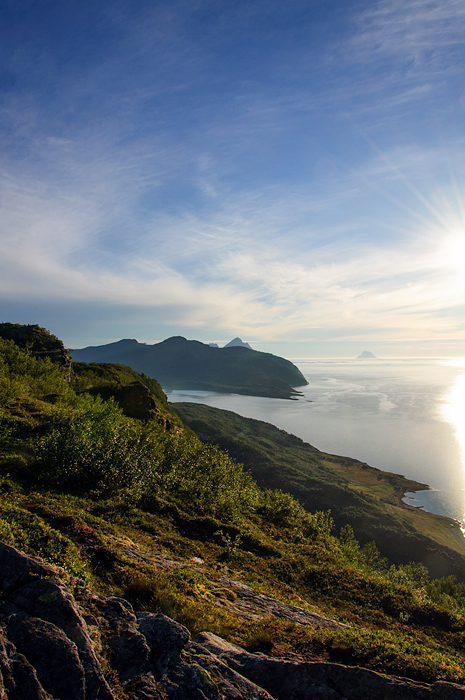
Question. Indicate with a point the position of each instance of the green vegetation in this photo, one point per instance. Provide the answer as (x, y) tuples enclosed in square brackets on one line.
[(114, 500)]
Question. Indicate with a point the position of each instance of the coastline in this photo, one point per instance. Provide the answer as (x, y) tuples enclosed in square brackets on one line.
[(386, 413)]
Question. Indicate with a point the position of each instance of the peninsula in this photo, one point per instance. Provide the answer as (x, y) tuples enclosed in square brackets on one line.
[(178, 363)]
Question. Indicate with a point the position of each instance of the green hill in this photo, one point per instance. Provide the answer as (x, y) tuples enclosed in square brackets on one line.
[(101, 479), (178, 363)]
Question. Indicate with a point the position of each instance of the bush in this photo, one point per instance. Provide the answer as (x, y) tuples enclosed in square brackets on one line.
[(283, 510), (280, 508), (93, 447), (205, 478), (22, 375), (386, 651)]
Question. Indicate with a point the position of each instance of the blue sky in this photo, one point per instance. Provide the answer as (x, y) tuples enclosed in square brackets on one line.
[(292, 173)]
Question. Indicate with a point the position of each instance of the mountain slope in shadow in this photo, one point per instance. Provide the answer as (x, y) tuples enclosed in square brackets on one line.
[(178, 363)]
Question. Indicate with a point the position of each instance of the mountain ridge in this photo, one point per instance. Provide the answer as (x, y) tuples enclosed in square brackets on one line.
[(178, 363)]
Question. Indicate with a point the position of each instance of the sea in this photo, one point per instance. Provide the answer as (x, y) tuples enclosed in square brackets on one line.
[(401, 415)]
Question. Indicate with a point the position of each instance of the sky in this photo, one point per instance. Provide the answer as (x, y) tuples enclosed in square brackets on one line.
[(290, 173)]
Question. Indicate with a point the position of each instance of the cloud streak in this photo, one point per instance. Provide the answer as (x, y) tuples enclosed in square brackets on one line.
[(426, 33)]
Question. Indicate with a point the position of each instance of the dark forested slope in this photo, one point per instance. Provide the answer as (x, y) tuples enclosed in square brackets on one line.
[(178, 363)]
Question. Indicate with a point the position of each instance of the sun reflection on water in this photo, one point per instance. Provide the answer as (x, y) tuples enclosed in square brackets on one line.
[(455, 362), (453, 411)]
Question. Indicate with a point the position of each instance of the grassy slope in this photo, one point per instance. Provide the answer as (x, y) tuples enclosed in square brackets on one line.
[(366, 498), (109, 537)]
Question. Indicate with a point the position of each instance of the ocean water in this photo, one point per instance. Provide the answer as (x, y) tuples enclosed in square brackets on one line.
[(401, 415)]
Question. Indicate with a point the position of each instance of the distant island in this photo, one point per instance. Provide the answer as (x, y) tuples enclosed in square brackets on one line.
[(366, 355), (178, 363)]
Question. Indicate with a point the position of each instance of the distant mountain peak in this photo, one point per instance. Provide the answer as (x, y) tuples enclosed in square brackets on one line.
[(366, 354), (237, 343)]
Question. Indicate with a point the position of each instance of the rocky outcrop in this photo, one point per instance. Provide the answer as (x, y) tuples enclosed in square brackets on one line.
[(136, 401), (56, 645), (297, 680), (44, 628), (250, 605)]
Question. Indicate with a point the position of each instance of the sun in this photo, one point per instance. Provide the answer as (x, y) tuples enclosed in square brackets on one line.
[(452, 251), (448, 260)]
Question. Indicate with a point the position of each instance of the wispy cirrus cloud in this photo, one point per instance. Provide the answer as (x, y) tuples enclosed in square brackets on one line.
[(236, 264), (426, 33)]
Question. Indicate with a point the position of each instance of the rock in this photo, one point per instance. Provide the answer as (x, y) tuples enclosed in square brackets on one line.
[(237, 343), (129, 649), (40, 342), (251, 605), (136, 401), (32, 599), (52, 601), (18, 679), (232, 684), (17, 569), (296, 680), (145, 687), (54, 657), (165, 637)]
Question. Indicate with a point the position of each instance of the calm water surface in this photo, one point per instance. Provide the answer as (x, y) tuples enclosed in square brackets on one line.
[(405, 416)]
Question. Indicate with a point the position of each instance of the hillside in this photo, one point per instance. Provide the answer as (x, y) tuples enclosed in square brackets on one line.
[(366, 498), (178, 363), (125, 509)]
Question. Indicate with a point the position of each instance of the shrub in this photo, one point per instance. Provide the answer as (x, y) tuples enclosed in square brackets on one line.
[(92, 446), (22, 375), (205, 478), (280, 508)]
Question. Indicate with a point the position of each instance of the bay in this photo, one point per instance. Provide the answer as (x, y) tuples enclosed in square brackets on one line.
[(401, 415)]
